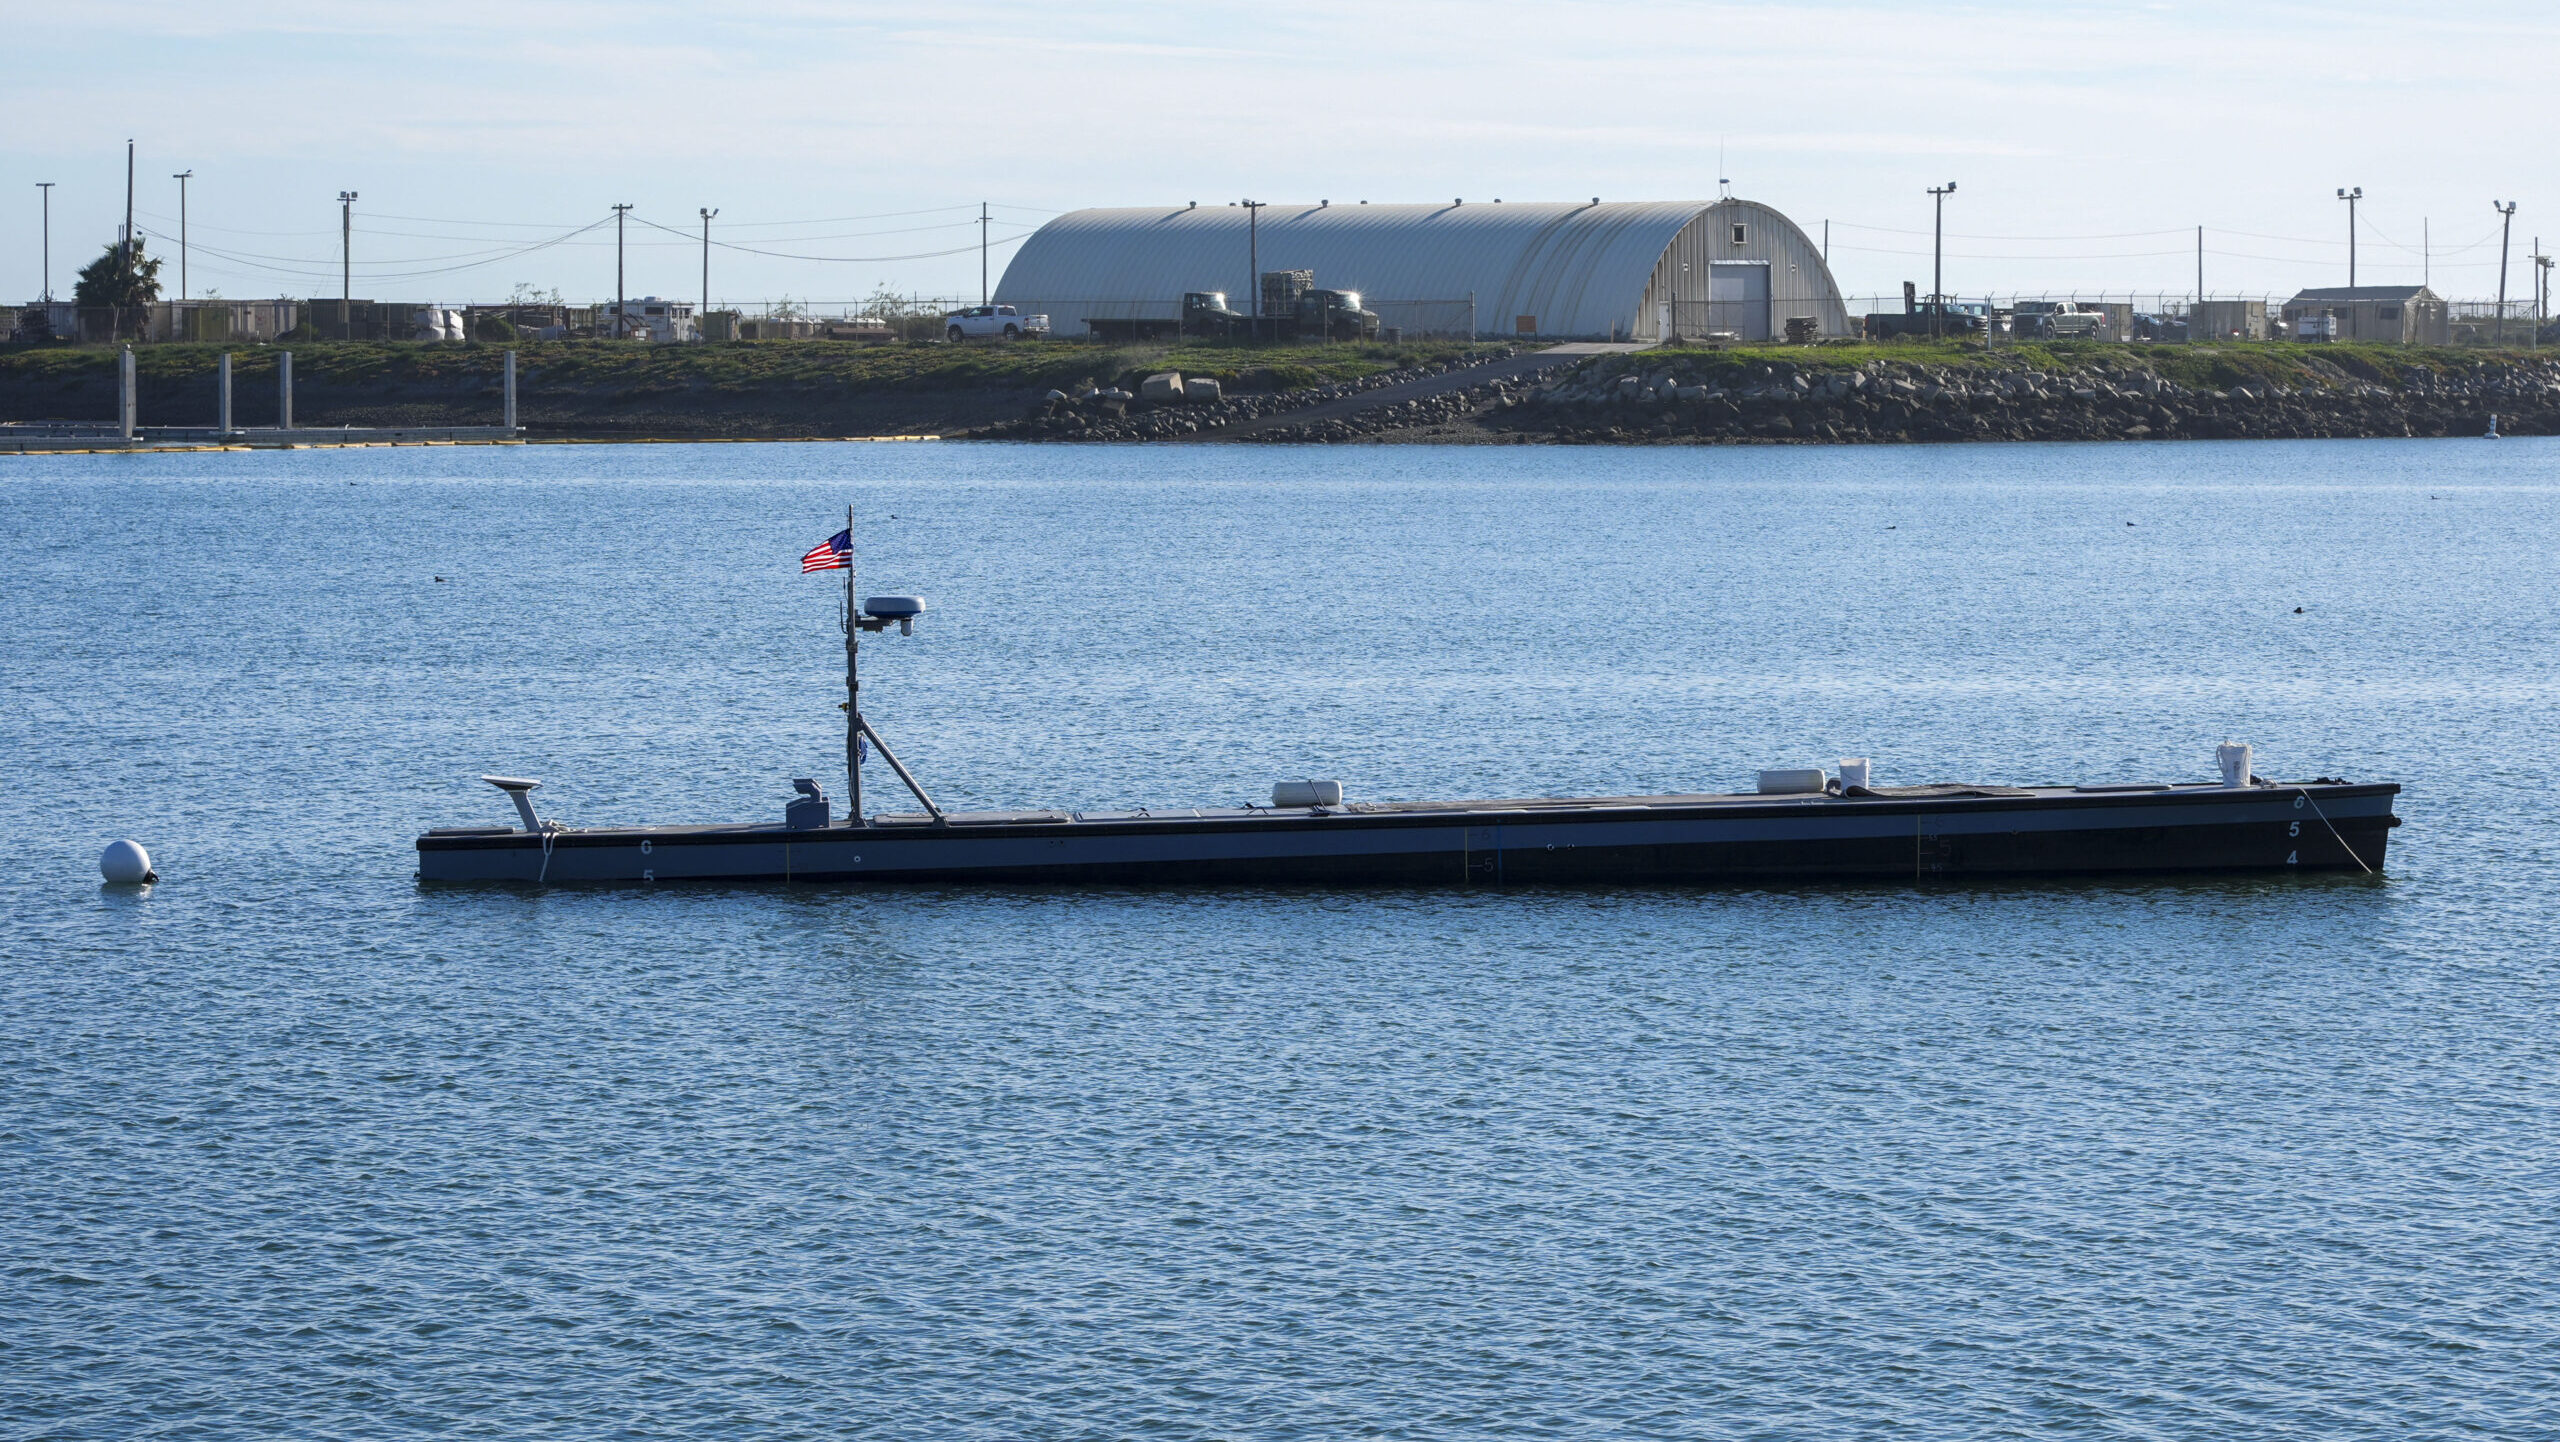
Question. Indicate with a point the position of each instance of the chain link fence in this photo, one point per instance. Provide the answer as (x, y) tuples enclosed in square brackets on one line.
[(883, 317)]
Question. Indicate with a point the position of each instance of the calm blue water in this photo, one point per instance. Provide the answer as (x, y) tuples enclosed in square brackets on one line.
[(291, 1148)]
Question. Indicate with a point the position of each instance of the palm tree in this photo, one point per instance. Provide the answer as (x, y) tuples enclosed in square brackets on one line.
[(124, 281)]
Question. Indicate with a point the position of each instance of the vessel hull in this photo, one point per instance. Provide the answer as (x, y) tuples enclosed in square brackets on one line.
[(1656, 840)]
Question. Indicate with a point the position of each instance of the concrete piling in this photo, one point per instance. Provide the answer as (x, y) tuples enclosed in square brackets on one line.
[(222, 394), (284, 390), (510, 421), (124, 397)]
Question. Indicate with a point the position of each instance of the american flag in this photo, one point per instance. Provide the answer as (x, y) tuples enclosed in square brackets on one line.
[(835, 553)]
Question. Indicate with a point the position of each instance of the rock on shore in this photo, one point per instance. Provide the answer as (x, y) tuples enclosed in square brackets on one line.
[(1194, 409), (1672, 398), (1888, 401)]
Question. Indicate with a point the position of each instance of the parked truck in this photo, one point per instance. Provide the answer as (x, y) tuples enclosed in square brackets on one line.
[(1206, 313), (1294, 309), (1928, 318), (2058, 320), (993, 322)]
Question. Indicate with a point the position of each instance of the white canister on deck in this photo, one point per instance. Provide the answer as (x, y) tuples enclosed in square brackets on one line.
[(2233, 758), (1853, 771)]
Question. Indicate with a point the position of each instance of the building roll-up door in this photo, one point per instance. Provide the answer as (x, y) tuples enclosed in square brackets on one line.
[(1738, 300)]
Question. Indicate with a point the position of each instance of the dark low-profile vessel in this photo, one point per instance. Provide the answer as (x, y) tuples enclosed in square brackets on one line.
[(1883, 833), (1799, 824)]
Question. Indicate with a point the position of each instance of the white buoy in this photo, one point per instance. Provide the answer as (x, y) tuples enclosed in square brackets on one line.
[(125, 863)]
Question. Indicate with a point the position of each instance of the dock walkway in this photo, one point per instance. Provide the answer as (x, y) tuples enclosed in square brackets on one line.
[(25, 438)]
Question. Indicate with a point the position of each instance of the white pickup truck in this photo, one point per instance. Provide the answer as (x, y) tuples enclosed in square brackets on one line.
[(993, 322)]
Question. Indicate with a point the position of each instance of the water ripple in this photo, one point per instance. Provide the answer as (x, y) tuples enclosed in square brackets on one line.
[(295, 1148)]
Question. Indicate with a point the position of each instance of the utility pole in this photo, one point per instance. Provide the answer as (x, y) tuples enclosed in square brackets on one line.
[(346, 265), (1938, 263), (619, 212), (182, 177), (704, 319), (2506, 223), (1253, 258), (128, 204), (2542, 306), (2191, 330), (2537, 282), (982, 252), (47, 187), (2351, 197)]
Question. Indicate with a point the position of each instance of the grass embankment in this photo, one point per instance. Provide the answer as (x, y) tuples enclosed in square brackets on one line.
[(770, 388), (753, 388), (747, 365)]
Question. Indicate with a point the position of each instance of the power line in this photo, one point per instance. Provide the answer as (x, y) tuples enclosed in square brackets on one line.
[(748, 224), (1954, 255), (1953, 235), (832, 259), (302, 268), (466, 256), (2325, 242)]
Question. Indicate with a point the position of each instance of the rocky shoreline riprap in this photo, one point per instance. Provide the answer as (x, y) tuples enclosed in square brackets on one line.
[(1094, 412), (1890, 402), (1641, 398)]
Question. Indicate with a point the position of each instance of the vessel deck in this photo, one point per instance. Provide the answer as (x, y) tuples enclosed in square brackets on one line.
[(1910, 832)]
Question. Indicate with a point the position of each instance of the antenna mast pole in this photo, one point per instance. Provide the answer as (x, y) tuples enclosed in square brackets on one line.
[(47, 187), (852, 683)]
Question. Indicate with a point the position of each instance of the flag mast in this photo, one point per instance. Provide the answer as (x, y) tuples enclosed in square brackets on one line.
[(852, 683), (898, 610)]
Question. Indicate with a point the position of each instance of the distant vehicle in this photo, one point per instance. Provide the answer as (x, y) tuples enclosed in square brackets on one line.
[(1929, 318), (1293, 309), (2057, 320), (2159, 327), (1206, 312), (1335, 313), (2323, 326), (994, 322)]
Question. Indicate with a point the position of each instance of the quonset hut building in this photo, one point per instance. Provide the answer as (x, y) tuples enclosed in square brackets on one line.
[(1629, 270)]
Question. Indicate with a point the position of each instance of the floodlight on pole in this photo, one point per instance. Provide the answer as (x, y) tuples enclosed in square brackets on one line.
[(619, 212), (182, 177), (2506, 224), (47, 187), (1938, 262), (1253, 258), (705, 319), (346, 261), (2351, 197)]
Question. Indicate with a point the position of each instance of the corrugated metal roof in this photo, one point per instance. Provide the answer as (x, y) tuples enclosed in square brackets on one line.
[(1581, 269), (2363, 292)]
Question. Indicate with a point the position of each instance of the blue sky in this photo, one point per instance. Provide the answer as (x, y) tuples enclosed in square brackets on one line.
[(2087, 140)]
